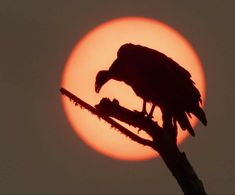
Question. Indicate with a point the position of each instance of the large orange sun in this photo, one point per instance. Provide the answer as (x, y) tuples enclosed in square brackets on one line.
[(96, 51)]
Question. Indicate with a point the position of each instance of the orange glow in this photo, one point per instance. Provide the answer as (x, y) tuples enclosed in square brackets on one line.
[(96, 51)]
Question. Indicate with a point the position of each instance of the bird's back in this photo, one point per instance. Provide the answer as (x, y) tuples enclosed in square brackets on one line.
[(165, 79)]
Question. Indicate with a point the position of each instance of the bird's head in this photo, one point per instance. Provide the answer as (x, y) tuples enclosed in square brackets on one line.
[(101, 78)]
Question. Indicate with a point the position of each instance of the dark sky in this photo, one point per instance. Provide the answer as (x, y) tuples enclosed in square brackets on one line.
[(40, 153)]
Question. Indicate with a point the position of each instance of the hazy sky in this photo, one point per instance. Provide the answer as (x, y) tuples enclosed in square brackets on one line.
[(40, 153)]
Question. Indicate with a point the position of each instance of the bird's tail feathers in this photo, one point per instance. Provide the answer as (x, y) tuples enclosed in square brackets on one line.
[(184, 122), (199, 113)]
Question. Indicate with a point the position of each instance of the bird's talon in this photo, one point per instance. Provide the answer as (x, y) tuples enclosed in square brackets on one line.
[(149, 117), (143, 114)]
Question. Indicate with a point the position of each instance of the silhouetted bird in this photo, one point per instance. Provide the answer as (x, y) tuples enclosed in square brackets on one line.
[(158, 79)]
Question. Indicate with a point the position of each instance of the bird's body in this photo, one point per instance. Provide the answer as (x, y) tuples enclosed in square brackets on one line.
[(160, 80)]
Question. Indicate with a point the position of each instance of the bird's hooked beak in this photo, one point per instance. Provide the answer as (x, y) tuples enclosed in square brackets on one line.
[(101, 78)]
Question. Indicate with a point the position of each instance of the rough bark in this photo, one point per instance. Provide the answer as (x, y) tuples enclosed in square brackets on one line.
[(162, 140)]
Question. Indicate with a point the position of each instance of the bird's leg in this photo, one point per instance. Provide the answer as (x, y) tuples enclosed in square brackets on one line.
[(150, 115), (144, 112)]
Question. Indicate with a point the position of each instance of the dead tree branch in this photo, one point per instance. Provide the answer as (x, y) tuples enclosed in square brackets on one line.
[(162, 141), (106, 118)]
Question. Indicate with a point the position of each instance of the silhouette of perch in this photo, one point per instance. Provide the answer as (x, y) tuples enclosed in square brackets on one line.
[(106, 118), (161, 142), (158, 79)]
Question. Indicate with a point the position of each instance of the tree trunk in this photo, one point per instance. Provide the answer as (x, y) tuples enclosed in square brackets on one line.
[(180, 168)]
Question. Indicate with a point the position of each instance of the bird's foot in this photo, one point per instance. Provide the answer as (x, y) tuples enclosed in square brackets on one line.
[(142, 113), (149, 116), (145, 115)]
